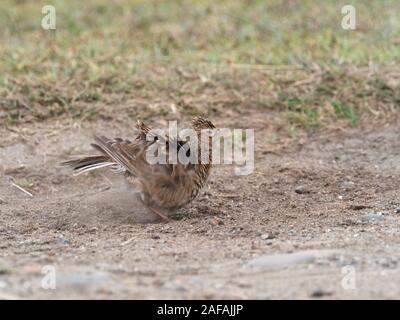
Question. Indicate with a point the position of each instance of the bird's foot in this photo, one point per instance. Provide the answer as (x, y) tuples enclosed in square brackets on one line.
[(160, 214)]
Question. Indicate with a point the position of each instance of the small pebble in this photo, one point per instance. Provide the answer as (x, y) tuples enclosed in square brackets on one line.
[(301, 190), (62, 240), (358, 207), (267, 236), (319, 293), (375, 216), (397, 210), (218, 222), (56, 181)]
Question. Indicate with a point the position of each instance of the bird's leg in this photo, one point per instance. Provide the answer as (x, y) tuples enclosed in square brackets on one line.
[(160, 214)]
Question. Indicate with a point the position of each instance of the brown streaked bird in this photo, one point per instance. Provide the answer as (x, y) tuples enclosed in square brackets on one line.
[(163, 188)]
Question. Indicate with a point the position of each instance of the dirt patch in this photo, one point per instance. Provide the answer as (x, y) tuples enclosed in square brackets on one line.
[(313, 208)]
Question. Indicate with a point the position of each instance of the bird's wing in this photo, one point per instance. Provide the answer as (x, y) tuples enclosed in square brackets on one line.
[(123, 152), (132, 155)]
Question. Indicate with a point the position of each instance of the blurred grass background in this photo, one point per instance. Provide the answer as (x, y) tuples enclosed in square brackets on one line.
[(154, 58)]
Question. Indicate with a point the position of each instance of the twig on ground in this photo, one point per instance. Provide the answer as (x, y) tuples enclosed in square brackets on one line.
[(21, 189)]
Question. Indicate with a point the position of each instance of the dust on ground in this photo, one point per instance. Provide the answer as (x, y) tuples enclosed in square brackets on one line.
[(318, 218)]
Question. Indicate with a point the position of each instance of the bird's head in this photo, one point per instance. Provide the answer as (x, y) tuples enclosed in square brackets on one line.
[(205, 131), (200, 123)]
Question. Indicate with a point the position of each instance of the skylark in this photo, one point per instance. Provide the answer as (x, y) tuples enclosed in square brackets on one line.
[(163, 187)]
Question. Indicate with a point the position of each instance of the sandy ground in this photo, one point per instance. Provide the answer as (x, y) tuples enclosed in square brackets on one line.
[(318, 218)]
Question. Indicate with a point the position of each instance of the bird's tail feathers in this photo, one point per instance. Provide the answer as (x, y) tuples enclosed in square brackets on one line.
[(90, 163)]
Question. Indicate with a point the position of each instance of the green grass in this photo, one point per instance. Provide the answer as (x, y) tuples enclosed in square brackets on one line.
[(109, 57), (5, 271), (346, 112)]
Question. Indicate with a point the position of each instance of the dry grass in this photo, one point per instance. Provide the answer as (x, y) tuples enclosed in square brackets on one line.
[(178, 58)]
